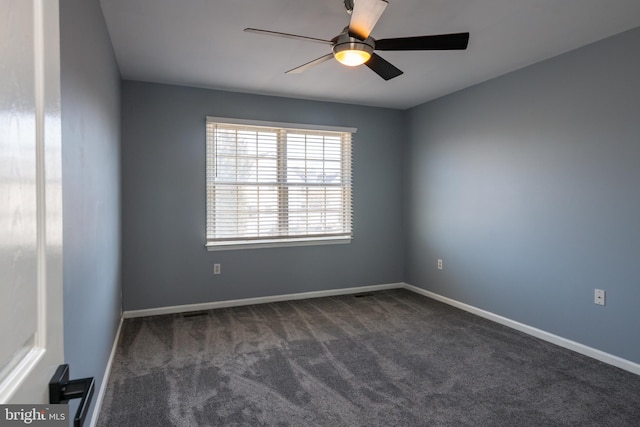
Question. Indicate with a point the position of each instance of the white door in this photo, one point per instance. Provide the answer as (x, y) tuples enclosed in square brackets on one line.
[(31, 343)]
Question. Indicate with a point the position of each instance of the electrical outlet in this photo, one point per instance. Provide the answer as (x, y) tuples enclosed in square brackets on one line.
[(599, 297), (216, 268), (439, 264)]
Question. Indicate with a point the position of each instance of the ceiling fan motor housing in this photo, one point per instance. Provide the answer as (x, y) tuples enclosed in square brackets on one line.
[(345, 43)]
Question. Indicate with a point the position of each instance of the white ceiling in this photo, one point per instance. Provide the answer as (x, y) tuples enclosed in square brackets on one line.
[(201, 43)]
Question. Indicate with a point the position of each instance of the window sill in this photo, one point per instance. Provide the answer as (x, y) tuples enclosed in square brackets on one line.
[(279, 243)]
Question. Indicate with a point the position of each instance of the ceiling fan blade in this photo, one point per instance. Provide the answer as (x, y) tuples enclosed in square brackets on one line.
[(382, 67), (310, 64), (364, 17), (456, 41), (288, 36)]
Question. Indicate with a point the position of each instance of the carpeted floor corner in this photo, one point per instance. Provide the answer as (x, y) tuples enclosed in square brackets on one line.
[(389, 358)]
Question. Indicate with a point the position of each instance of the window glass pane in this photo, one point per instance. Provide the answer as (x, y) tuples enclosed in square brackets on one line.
[(296, 147), (296, 171), (315, 147), (225, 169), (267, 170), (268, 146), (247, 143), (246, 170), (333, 149), (332, 172), (315, 171)]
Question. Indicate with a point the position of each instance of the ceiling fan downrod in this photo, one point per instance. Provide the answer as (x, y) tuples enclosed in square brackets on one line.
[(348, 4)]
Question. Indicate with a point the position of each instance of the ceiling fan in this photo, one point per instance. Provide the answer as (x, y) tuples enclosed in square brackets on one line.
[(354, 46)]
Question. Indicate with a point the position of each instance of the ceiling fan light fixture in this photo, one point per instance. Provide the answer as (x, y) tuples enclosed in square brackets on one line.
[(352, 53), (352, 58)]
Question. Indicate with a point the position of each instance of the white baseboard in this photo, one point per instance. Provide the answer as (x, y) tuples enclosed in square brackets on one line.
[(105, 378), (610, 359), (260, 300)]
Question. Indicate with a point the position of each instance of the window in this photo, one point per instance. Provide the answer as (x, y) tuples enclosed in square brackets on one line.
[(275, 184)]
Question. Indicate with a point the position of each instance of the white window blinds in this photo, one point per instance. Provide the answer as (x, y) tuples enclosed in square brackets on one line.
[(274, 184)]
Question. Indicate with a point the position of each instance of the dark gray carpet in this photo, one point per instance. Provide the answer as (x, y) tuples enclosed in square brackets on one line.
[(393, 358)]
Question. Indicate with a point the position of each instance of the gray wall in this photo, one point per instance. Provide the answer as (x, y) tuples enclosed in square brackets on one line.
[(165, 262), (527, 187), (91, 188)]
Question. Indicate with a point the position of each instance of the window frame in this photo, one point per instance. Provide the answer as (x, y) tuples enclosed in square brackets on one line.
[(283, 240)]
